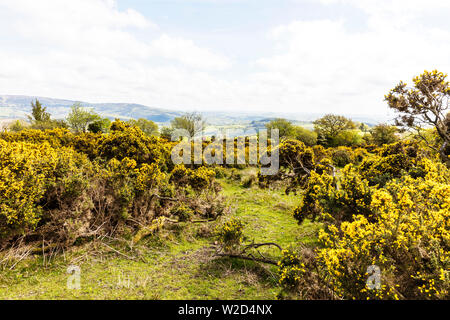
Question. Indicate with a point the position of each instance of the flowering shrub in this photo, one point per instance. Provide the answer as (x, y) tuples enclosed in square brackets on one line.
[(198, 179), (183, 212), (409, 241), (55, 137), (400, 223), (296, 163), (318, 189), (131, 142), (392, 161), (291, 268), (87, 143), (335, 202), (229, 234), (29, 171), (62, 186)]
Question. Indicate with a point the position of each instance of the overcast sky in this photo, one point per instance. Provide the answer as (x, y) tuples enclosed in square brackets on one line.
[(337, 56)]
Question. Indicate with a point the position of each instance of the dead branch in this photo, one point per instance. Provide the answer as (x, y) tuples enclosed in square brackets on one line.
[(257, 245), (251, 257), (238, 256)]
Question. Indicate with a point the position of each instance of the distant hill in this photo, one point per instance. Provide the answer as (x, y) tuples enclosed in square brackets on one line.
[(18, 107), (13, 107)]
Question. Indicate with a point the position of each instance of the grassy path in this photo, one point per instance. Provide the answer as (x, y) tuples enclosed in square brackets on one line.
[(177, 264)]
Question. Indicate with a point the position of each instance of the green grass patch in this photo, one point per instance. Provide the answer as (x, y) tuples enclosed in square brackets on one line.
[(178, 263)]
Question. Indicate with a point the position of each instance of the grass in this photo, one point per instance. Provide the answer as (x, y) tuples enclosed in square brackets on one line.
[(175, 264)]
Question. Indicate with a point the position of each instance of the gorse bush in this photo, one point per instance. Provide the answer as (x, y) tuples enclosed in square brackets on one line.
[(392, 212), (409, 241), (197, 179), (316, 193), (125, 141), (297, 161), (391, 161), (56, 138), (182, 212), (30, 172), (230, 234), (62, 186), (291, 268), (335, 201)]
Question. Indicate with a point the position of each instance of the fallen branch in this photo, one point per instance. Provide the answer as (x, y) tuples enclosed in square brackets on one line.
[(250, 256), (238, 256), (257, 245)]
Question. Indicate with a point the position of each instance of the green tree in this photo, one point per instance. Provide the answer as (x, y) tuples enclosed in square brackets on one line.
[(348, 138), (285, 128), (79, 118), (147, 126), (384, 134), (40, 119), (308, 137), (166, 133), (330, 126), (363, 127), (424, 104), (38, 112), (191, 122)]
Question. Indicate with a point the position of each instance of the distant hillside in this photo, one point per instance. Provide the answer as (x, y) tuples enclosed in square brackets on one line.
[(18, 107), (13, 107)]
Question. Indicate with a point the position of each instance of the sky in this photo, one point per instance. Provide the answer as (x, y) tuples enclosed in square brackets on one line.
[(321, 56)]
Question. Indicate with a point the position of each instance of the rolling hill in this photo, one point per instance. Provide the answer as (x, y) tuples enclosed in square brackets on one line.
[(12, 107), (18, 107)]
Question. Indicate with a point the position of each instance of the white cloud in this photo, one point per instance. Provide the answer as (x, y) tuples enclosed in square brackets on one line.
[(326, 67), (187, 52), (90, 50)]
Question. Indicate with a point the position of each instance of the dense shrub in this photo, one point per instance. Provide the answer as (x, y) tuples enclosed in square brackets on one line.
[(63, 186), (342, 156), (392, 161), (333, 202), (183, 212), (391, 212), (296, 161), (197, 179), (409, 241), (306, 136), (291, 269), (230, 234), (30, 172), (56, 138), (294, 153), (130, 142)]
